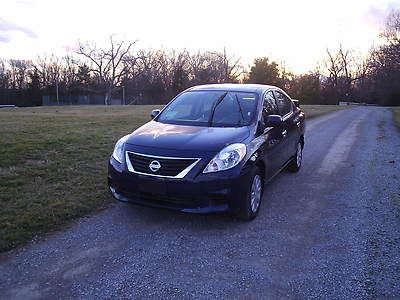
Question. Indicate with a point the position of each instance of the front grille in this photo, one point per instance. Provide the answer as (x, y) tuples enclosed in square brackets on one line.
[(168, 166)]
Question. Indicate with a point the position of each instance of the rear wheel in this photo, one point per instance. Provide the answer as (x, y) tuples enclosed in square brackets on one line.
[(253, 198), (295, 165)]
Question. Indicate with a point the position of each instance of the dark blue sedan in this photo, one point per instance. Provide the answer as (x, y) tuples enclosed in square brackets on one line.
[(211, 149)]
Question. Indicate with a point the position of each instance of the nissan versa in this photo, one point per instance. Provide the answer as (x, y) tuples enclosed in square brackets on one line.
[(210, 149)]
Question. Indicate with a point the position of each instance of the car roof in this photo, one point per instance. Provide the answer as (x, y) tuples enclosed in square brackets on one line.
[(237, 87)]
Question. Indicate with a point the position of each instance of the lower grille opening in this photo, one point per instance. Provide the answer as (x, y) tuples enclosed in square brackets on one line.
[(177, 201)]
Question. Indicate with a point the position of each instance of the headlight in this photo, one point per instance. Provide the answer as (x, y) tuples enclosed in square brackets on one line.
[(227, 158), (118, 153)]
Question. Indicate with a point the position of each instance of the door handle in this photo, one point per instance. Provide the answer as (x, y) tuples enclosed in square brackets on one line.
[(284, 133)]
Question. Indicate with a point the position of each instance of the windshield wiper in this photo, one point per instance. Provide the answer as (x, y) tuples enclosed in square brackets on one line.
[(240, 109), (215, 106)]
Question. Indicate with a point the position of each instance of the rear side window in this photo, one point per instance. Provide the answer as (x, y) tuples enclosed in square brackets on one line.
[(284, 103)]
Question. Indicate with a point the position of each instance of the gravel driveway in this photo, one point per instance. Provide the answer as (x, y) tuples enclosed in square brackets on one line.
[(330, 231)]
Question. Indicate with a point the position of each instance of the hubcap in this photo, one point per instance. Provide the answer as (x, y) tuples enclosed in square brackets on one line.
[(299, 155), (255, 196)]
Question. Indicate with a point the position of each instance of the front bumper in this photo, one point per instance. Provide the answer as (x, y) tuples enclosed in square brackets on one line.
[(196, 192)]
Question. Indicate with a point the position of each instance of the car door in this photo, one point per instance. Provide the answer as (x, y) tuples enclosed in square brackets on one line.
[(273, 148), (289, 132)]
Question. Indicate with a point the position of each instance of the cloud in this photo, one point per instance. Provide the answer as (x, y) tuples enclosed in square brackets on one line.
[(26, 2), (393, 5), (6, 28), (376, 15), (4, 38)]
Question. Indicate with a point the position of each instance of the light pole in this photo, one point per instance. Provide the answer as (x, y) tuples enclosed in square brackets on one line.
[(123, 95), (58, 100)]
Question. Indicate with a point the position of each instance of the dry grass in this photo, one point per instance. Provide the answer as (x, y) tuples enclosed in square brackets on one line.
[(312, 111), (53, 163), (396, 116)]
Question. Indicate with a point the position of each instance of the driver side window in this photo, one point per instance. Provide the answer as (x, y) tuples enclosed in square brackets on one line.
[(269, 105), (284, 103)]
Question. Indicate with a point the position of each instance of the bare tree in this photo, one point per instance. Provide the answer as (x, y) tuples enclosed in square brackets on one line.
[(345, 68), (334, 67), (392, 29), (179, 69), (384, 64), (19, 71), (68, 74), (232, 70), (49, 68), (4, 75), (108, 64)]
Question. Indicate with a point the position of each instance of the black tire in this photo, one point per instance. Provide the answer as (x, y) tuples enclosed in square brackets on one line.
[(295, 165), (248, 211)]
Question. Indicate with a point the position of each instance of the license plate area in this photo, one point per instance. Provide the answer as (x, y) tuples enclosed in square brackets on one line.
[(157, 187)]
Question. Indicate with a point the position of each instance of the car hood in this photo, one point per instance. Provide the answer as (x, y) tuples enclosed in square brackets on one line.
[(170, 136)]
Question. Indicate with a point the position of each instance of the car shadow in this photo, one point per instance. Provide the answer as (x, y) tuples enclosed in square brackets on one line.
[(142, 215)]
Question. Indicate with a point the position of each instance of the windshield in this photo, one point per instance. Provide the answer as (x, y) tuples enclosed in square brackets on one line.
[(211, 108)]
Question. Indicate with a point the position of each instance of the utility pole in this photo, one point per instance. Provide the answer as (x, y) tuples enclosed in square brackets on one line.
[(58, 100), (123, 95)]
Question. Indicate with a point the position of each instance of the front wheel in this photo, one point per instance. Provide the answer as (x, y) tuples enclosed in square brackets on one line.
[(253, 198), (295, 165)]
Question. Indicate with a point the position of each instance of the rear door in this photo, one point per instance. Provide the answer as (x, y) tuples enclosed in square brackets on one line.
[(289, 132), (273, 148)]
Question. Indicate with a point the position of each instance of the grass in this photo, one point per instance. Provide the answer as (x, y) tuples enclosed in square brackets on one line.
[(312, 111), (396, 116), (53, 164)]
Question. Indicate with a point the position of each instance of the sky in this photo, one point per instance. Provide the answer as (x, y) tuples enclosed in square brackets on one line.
[(293, 33)]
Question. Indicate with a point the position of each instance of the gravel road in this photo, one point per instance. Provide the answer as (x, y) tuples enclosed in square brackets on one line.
[(330, 231)]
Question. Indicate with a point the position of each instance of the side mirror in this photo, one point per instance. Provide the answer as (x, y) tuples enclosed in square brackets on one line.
[(154, 113), (296, 102), (273, 121)]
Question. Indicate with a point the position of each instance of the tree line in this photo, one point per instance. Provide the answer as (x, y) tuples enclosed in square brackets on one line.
[(146, 76)]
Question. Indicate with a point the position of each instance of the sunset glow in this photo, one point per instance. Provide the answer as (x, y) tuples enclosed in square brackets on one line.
[(295, 33)]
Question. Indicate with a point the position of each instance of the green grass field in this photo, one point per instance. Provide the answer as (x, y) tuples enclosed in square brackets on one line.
[(53, 163)]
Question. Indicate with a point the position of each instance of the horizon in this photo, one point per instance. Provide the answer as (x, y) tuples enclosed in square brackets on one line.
[(31, 28)]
